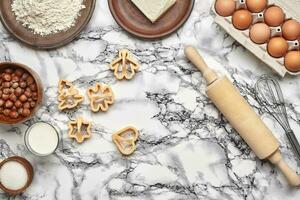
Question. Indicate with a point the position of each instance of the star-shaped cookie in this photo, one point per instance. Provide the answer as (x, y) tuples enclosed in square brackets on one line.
[(101, 96), (80, 130), (69, 96)]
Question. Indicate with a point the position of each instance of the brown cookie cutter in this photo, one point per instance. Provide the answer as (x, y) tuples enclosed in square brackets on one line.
[(80, 130), (125, 66), (101, 96), (68, 95), (125, 140)]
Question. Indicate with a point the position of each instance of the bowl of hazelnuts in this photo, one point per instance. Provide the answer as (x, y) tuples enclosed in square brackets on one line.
[(21, 93)]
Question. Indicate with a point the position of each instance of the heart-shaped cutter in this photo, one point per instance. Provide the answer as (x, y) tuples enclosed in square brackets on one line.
[(101, 96), (69, 96), (76, 132), (125, 66), (119, 139)]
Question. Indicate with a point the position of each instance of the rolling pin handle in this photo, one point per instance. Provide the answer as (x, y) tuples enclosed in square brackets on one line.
[(193, 55), (291, 176)]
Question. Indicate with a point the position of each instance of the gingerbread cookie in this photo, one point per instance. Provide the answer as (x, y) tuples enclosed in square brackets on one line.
[(125, 66), (101, 96), (68, 95), (80, 130), (125, 140)]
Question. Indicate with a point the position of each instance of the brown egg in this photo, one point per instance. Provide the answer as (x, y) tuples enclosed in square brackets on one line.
[(274, 16), (260, 33), (277, 47), (242, 19), (256, 6), (225, 8), (291, 29), (292, 61)]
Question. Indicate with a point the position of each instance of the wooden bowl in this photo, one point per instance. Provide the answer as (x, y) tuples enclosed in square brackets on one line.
[(29, 170), (40, 92)]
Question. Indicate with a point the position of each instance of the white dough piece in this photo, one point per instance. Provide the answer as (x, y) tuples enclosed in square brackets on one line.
[(153, 9)]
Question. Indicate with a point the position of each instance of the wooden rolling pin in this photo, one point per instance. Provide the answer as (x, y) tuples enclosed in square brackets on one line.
[(242, 117)]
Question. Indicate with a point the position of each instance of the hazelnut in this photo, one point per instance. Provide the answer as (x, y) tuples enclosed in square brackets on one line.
[(33, 87), (14, 108), (19, 72), (2, 102), (11, 90), (23, 98), (5, 97), (23, 84), (18, 104), (15, 85), (1, 92), (18, 91), (13, 114), (6, 84), (28, 94), (6, 112), (8, 70), (26, 105), (9, 104), (1, 110), (20, 111), (32, 104), (24, 76), (30, 80), (26, 112), (6, 91), (13, 97), (7, 77), (15, 79), (35, 96)]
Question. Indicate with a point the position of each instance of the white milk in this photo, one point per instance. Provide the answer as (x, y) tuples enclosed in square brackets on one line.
[(42, 138), (13, 175)]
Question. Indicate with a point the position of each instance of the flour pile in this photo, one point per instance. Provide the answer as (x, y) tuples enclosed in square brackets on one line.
[(45, 17)]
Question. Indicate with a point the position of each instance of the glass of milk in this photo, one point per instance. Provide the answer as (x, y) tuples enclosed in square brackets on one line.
[(41, 139), (16, 174)]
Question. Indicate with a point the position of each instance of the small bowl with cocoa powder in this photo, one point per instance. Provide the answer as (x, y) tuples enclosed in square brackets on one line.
[(21, 93)]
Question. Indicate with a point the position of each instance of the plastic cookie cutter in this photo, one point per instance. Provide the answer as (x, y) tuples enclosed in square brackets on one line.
[(69, 96), (101, 96), (80, 130), (124, 66), (125, 140)]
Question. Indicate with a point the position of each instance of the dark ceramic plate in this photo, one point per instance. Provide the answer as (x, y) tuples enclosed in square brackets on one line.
[(129, 17), (23, 34)]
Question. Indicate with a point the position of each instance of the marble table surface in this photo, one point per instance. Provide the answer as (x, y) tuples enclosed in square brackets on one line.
[(186, 149)]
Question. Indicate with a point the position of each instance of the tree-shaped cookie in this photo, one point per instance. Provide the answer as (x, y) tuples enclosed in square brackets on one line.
[(100, 96), (68, 95), (125, 140), (125, 66), (80, 130)]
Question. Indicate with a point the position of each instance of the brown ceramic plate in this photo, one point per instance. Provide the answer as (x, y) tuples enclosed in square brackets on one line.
[(23, 34), (129, 17)]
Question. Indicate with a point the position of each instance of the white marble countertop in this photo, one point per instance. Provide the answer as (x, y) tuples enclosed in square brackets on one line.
[(186, 150)]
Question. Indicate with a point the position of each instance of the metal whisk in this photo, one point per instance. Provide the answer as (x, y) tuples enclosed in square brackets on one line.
[(270, 96)]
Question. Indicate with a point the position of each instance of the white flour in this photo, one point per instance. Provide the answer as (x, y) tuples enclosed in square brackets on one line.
[(45, 17)]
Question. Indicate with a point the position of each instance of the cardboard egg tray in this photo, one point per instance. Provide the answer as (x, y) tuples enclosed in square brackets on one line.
[(291, 10)]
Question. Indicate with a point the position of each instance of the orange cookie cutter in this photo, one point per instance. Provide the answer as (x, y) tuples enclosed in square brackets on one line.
[(124, 66), (125, 140), (80, 130), (69, 96), (101, 96)]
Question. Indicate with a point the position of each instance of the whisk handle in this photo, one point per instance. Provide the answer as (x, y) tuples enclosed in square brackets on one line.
[(291, 176), (294, 142)]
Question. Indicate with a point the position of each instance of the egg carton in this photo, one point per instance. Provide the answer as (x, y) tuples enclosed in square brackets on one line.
[(291, 10)]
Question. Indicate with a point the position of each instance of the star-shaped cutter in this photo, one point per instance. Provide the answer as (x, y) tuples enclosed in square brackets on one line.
[(68, 95), (125, 66), (80, 130), (101, 96), (126, 143)]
